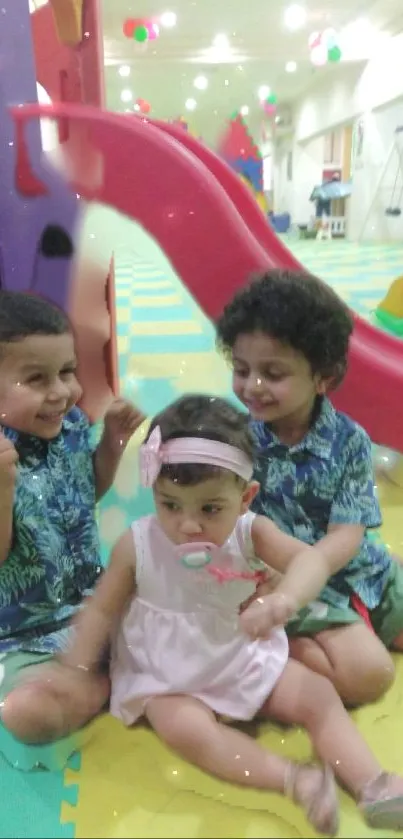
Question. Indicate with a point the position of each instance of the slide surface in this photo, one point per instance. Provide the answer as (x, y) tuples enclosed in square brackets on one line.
[(213, 235)]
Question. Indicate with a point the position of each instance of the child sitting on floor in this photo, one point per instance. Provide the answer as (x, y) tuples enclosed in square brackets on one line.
[(287, 335), (50, 481)]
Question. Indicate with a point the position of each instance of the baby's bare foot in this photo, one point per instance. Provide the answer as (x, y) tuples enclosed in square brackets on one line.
[(314, 788)]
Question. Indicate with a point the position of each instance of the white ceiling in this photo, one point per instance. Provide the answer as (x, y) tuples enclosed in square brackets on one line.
[(260, 44)]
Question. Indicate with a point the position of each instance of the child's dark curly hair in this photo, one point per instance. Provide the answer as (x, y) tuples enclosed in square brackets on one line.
[(210, 417), (297, 309), (23, 315)]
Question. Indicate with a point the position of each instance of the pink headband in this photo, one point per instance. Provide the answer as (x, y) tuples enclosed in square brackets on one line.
[(154, 454)]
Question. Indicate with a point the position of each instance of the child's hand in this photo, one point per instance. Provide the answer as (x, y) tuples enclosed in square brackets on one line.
[(265, 613), (8, 463), (121, 421)]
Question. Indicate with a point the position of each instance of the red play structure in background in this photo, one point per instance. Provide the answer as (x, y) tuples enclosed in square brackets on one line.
[(68, 48), (240, 151)]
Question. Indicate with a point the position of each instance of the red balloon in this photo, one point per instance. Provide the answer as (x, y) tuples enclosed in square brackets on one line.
[(130, 24), (143, 106)]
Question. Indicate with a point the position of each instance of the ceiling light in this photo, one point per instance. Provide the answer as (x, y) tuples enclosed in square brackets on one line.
[(244, 110), (168, 20), (201, 82), (291, 66), (190, 104), (221, 43), (263, 92), (226, 82), (295, 17), (124, 71), (126, 95)]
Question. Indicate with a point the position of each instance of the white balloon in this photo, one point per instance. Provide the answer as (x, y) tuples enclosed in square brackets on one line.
[(319, 56), (389, 464)]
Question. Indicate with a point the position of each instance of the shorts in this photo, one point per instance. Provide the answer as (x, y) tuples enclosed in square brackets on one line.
[(386, 618), (12, 665)]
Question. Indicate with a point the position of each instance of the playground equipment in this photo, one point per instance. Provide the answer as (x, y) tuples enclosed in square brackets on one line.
[(394, 207), (241, 153), (323, 195), (389, 312)]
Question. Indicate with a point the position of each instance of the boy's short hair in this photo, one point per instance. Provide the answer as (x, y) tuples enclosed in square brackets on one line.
[(22, 315), (298, 309), (210, 417)]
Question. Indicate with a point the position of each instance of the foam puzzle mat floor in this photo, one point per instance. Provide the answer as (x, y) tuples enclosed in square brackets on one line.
[(125, 783)]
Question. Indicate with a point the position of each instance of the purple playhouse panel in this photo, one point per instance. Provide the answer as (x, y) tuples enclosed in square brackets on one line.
[(36, 234)]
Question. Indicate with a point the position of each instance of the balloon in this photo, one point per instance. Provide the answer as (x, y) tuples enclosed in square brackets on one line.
[(319, 56), (334, 54), (389, 464), (269, 109), (152, 29), (143, 106), (129, 27), (141, 34), (328, 38), (314, 40), (272, 99)]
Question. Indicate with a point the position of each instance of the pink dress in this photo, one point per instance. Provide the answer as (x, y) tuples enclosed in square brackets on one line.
[(181, 633)]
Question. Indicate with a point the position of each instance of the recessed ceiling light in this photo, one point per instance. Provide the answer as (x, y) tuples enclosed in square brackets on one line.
[(295, 17), (126, 95), (263, 92), (168, 20), (291, 66), (201, 82), (226, 82), (124, 71), (221, 43), (244, 110), (190, 104)]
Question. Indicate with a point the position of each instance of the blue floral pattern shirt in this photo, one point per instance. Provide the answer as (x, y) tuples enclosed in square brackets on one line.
[(326, 479), (55, 555)]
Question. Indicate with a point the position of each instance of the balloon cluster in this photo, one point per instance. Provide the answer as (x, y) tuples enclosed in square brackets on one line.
[(270, 105), (142, 106), (324, 48), (141, 30)]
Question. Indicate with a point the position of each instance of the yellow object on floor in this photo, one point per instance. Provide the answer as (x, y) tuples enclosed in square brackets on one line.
[(392, 303)]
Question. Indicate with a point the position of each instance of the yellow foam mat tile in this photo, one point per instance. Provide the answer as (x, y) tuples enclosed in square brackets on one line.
[(130, 785)]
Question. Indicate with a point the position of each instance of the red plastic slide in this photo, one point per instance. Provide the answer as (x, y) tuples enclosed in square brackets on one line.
[(206, 224)]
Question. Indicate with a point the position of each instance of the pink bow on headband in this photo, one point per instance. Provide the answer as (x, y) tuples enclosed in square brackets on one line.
[(151, 458), (154, 453)]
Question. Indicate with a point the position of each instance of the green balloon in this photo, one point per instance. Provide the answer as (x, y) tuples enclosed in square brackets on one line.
[(272, 99), (334, 54), (140, 34)]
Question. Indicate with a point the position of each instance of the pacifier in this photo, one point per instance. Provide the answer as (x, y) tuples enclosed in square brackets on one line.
[(195, 554)]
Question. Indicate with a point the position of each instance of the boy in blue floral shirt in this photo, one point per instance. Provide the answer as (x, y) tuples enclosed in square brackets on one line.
[(51, 477), (287, 336)]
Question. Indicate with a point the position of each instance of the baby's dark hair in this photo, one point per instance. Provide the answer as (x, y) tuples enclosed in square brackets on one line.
[(22, 315), (209, 417), (297, 309)]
